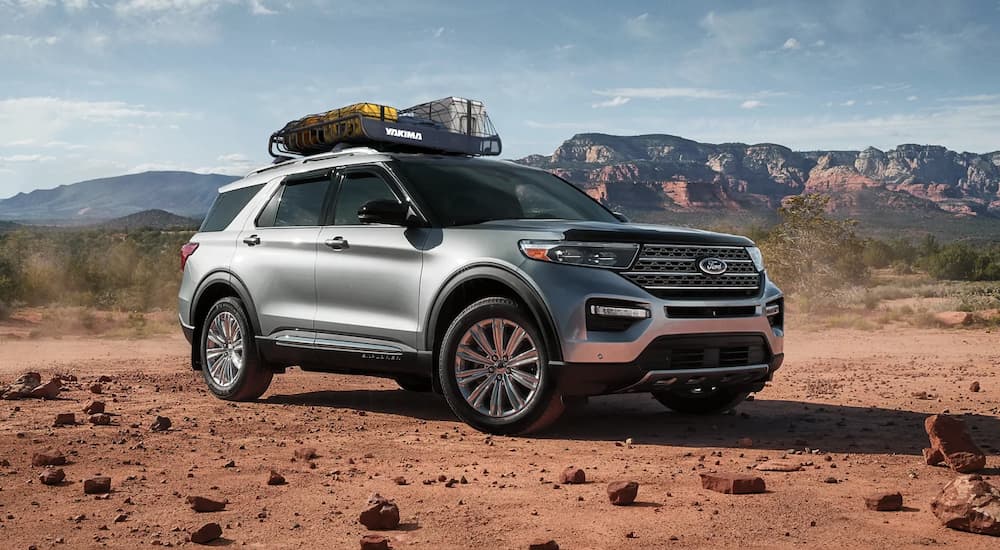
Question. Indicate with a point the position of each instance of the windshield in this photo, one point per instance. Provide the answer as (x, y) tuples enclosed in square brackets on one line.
[(463, 192)]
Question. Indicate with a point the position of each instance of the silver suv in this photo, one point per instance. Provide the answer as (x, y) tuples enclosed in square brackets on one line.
[(504, 288)]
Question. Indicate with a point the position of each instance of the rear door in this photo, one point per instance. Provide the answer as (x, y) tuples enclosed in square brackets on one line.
[(276, 255), (367, 277)]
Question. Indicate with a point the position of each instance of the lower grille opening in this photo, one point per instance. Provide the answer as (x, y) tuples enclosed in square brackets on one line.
[(686, 312), (705, 352)]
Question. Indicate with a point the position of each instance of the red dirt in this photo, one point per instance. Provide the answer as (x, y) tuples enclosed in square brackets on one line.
[(848, 395)]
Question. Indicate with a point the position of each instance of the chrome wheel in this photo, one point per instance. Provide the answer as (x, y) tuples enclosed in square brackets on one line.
[(224, 349), (497, 367)]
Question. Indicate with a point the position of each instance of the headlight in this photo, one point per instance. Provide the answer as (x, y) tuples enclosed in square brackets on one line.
[(757, 257), (609, 255)]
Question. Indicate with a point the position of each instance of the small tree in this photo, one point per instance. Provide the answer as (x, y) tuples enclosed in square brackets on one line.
[(810, 252)]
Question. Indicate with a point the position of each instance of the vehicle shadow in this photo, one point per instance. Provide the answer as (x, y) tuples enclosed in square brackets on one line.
[(424, 406), (771, 424)]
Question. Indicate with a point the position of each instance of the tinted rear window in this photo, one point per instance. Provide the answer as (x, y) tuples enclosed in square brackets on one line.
[(226, 206)]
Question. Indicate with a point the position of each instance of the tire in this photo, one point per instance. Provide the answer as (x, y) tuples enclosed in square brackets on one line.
[(499, 412), (414, 384), (687, 402), (252, 376)]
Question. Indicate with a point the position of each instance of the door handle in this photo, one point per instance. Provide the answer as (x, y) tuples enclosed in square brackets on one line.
[(252, 240), (337, 243)]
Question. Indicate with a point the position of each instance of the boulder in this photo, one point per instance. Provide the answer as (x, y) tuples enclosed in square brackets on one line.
[(204, 504), (64, 419), (779, 466), (100, 419), (161, 424), (96, 388), (374, 542), (949, 437), (48, 390), (573, 476), (48, 458), (622, 493), (380, 514), (52, 476), (206, 533), (968, 503), (543, 544), (953, 318), (733, 484), (884, 502), (974, 387), (21, 388), (275, 478), (94, 407), (97, 485)]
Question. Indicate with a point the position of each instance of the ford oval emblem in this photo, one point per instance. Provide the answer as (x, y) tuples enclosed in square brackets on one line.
[(712, 266)]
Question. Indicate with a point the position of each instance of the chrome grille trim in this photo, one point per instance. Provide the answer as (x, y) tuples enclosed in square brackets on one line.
[(670, 271)]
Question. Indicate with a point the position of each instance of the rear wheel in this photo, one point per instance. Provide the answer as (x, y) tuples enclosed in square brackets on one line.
[(231, 366), (702, 400), (494, 370)]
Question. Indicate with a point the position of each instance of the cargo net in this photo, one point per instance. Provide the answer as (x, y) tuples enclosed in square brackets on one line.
[(454, 114)]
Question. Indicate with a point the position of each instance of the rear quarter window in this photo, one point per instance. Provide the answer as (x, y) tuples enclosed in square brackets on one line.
[(226, 206)]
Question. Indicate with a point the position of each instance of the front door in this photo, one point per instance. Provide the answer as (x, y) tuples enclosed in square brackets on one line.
[(367, 278)]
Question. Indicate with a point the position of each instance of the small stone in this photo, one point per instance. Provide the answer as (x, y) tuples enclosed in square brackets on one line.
[(885, 502), (374, 542), (206, 533), (48, 458), (204, 504), (399, 480), (94, 407), (380, 514), (52, 476), (974, 387), (100, 419), (120, 518), (543, 544), (733, 484), (65, 419), (161, 424), (779, 466), (622, 493), (97, 485), (96, 388), (104, 379), (573, 476), (305, 453), (275, 478)]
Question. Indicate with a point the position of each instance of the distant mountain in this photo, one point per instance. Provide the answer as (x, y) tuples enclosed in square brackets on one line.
[(151, 219), (666, 177), (183, 193)]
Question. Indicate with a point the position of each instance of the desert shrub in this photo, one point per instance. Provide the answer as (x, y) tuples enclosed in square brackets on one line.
[(809, 252)]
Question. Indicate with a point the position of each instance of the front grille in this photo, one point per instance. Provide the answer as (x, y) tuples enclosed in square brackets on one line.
[(705, 352), (671, 271)]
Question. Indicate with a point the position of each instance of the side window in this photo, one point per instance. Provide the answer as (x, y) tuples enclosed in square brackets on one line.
[(295, 204), (356, 189), (226, 206)]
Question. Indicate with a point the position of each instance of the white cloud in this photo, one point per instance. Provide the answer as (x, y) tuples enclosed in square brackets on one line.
[(616, 101), (28, 41), (68, 109), (438, 32), (751, 104), (848, 103), (257, 7), (912, 98), (665, 93), (26, 158), (978, 98), (76, 5), (791, 44), (819, 43), (639, 26)]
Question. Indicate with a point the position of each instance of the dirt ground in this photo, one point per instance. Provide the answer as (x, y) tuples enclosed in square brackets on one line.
[(846, 395)]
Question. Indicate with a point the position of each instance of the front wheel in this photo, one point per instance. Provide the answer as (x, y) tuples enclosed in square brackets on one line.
[(494, 370), (230, 364), (702, 400)]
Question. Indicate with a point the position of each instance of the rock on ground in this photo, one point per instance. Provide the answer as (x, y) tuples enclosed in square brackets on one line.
[(21, 388), (64, 419), (968, 503), (543, 544), (206, 533), (779, 466), (374, 542), (380, 514), (161, 424), (573, 476), (953, 445), (733, 484), (94, 407), (100, 419), (305, 453), (52, 476), (204, 504), (622, 493), (884, 502), (48, 390), (97, 485), (48, 458), (275, 478)]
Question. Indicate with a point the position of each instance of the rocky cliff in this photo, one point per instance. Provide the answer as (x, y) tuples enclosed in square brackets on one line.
[(654, 172)]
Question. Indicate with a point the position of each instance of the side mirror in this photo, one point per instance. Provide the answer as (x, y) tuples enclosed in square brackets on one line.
[(389, 212), (621, 217)]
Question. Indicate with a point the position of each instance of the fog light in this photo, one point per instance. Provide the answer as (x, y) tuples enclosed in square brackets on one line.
[(619, 312)]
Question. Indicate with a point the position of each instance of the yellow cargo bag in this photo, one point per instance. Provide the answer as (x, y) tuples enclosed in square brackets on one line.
[(336, 125)]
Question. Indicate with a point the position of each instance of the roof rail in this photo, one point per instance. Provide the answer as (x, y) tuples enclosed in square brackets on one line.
[(343, 152)]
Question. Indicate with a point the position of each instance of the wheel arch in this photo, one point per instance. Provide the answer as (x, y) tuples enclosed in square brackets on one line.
[(215, 286), (481, 281)]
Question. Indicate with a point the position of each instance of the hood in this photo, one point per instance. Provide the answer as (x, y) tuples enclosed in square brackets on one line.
[(585, 231)]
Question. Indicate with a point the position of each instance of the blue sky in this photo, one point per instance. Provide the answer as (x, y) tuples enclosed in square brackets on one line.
[(94, 88)]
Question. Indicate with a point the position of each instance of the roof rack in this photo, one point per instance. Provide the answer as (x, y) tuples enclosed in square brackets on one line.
[(450, 126)]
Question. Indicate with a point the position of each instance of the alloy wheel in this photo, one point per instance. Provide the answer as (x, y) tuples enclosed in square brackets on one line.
[(497, 367)]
